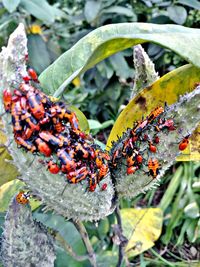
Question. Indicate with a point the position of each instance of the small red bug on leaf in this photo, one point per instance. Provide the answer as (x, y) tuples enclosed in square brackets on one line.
[(152, 148), (104, 186), (184, 143)]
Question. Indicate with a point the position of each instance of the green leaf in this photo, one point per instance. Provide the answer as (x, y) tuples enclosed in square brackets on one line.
[(91, 10), (83, 122), (70, 234), (107, 259), (107, 40), (39, 57), (94, 124), (39, 9), (171, 189), (8, 171), (121, 67), (120, 10), (192, 210), (177, 13), (191, 3), (193, 231), (11, 5)]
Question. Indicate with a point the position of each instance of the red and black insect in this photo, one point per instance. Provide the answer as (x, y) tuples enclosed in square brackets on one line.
[(152, 148), (155, 113), (25, 144), (43, 147), (153, 166), (7, 100), (184, 143), (131, 170), (67, 163), (51, 139), (33, 75), (77, 175), (102, 171), (53, 167), (22, 198)]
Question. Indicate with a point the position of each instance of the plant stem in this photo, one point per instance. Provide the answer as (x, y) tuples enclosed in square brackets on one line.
[(91, 255), (123, 240), (161, 258), (69, 249)]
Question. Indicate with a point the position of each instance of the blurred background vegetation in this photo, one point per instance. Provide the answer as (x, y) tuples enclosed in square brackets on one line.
[(52, 28)]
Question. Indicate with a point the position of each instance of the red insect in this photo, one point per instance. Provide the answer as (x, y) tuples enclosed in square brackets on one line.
[(102, 171), (7, 100), (81, 151), (131, 170), (53, 167), (26, 79), (58, 126), (22, 198), (153, 166), (77, 175), (50, 139), (152, 148), (130, 161), (139, 158), (140, 127), (184, 143), (104, 186), (44, 121), (168, 124), (30, 121), (155, 113), (34, 101), (25, 144), (66, 161), (115, 157), (43, 147), (156, 139), (33, 75), (92, 182)]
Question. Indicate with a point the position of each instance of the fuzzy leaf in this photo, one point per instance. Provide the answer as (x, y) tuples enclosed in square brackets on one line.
[(166, 151), (107, 40), (8, 190), (145, 73), (142, 227), (8, 171), (25, 240), (167, 89), (70, 200)]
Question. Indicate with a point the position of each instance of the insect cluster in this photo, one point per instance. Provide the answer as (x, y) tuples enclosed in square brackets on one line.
[(47, 127), (141, 143)]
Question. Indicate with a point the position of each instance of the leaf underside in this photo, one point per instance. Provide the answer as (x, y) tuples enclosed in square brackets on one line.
[(107, 40)]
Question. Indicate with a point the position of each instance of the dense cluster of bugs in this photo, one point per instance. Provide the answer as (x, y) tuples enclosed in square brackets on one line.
[(47, 127), (140, 144)]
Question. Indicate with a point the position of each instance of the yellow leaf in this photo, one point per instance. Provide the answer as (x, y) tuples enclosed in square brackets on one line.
[(166, 89), (8, 190), (142, 227)]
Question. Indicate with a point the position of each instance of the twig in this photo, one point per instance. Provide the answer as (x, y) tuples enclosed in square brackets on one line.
[(122, 238), (91, 255), (69, 249)]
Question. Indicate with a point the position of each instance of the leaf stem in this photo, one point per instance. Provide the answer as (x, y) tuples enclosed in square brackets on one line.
[(69, 249), (83, 232), (122, 238)]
